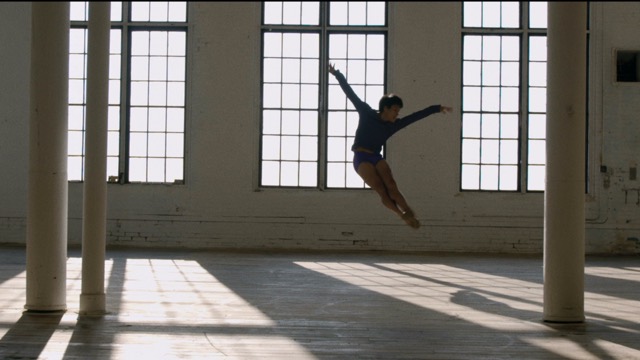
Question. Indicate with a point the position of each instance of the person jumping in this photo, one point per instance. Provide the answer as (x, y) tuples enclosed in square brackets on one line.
[(374, 129)]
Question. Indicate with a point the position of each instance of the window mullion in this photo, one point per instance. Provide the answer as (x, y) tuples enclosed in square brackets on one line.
[(123, 163), (124, 100), (323, 112), (524, 94), (524, 108)]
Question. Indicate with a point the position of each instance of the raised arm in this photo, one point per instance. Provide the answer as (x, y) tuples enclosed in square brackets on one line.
[(342, 81)]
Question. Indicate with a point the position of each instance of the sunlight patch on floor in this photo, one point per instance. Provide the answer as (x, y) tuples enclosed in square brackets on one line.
[(444, 289), (565, 348), (171, 289)]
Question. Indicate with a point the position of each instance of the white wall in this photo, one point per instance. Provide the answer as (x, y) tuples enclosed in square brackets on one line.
[(221, 206), (616, 145), (15, 50)]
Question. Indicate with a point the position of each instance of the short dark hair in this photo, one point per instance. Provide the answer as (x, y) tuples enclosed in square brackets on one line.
[(388, 100)]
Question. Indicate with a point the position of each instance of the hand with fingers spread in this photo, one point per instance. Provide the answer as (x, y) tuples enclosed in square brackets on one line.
[(332, 69)]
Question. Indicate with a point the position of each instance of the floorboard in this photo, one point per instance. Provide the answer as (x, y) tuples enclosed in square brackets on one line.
[(186, 304)]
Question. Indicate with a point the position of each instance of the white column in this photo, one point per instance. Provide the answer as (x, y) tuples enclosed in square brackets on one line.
[(94, 224), (48, 183), (565, 182)]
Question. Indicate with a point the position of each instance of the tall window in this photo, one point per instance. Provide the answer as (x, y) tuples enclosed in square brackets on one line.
[(147, 76), (308, 124), (499, 55)]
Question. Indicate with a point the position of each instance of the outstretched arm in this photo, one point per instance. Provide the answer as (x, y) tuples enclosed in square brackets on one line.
[(419, 115), (351, 95)]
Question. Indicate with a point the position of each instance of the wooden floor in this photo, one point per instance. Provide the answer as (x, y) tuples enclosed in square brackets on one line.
[(226, 305)]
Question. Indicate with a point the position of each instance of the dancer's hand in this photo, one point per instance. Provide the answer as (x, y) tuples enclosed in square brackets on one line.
[(332, 69), (445, 109)]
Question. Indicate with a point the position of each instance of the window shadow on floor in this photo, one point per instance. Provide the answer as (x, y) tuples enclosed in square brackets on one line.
[(326, 305)]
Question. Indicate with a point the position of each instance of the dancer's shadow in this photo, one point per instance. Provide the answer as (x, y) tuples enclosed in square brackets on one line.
[(476, 301), (579, 333)]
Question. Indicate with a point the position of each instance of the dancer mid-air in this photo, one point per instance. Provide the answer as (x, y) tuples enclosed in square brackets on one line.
[(374, 129)]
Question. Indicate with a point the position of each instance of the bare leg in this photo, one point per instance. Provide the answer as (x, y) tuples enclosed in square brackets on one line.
[(390, 184), (370, 175), (383, 169), (377, 177)]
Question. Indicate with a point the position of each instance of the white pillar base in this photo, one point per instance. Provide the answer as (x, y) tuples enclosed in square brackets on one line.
[(92, 304)]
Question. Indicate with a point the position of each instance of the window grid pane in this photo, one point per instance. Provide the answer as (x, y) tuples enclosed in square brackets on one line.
[(491, 106), (364, 70), (157, 107), (292, 90), (78, 103), (491, 86), (158, 11), (290, 109), (357, 13), (291, 13), (79, 11), (536, 157), (157, 93), (538, 14), (491, 14)]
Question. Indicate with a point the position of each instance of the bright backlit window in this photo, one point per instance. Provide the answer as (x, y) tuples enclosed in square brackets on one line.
[(500, 54), (147, 72), (308, 124)]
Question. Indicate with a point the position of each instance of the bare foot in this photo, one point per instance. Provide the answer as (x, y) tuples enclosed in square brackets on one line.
[(410, 219)]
